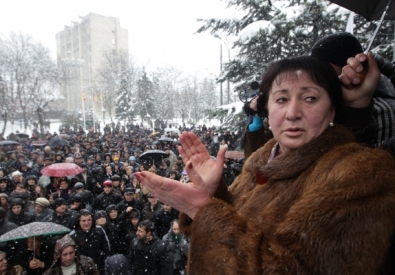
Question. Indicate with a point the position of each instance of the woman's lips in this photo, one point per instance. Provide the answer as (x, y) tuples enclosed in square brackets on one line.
[(293, 131)]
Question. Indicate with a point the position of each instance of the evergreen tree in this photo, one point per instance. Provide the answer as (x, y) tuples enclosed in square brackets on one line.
[(272, 30), (145, 97), (124, 103)]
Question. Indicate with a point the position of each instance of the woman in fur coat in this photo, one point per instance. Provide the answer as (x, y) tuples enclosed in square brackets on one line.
[(311, 201)]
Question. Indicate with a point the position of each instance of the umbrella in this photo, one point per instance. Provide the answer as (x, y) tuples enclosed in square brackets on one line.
[(34, 229), (58, 141), (66, 136), (40, 143), (61, 170), (172, 130), (8, 142), (371, 10), (234, 154), (153, 155), (21, 135), (165, 139)]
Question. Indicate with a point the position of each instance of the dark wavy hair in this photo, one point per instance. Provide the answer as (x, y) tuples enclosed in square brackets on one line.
[(320, 72)]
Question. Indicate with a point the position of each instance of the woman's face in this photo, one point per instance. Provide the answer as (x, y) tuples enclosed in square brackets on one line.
[(175, 228), (3, 201), (64, 185), (37, 189), (298, 110), (31, 182), (113, 214)]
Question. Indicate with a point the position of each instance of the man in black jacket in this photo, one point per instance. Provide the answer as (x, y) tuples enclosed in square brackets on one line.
[(129, 203), (107, 197), (148, 254), (64, 216), (91, 240)]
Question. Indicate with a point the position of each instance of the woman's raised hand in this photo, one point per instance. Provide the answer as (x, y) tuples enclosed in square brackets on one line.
[(187, 198), (203, 169)]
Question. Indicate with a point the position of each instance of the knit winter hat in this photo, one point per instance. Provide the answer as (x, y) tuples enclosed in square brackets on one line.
[(100, 214), (336, 48), (16, 201), (110, 208), (59, 202), (134, 214)]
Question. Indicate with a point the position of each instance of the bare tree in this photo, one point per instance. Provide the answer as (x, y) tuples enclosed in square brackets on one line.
[(27, 71)]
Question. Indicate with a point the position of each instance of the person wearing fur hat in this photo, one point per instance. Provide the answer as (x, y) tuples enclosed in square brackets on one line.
[(67, 260), (17, 214)]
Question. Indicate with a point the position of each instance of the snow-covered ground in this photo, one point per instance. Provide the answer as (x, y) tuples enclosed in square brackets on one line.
[(54, 126)]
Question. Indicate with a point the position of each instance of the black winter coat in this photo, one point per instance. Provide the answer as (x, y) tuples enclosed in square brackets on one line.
[(93, 244), (69, 219), (125, 204), (162, 221), (152, 258), (21, 219), (103, 200)]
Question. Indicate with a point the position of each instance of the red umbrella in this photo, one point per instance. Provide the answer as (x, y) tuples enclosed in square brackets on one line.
[(61, 170)]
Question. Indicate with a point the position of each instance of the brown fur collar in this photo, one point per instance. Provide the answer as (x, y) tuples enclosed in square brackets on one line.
[(291, 165)]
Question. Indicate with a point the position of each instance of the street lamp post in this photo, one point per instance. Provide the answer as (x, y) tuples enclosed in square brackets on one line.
[(226, 42)]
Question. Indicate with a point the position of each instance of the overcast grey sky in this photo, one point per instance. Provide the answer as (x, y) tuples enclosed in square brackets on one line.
[(161, 32)]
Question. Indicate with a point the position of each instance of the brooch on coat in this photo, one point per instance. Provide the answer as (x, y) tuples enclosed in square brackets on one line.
[(261, 178)]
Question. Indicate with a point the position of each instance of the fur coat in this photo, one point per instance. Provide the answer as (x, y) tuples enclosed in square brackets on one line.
[(327, 207)]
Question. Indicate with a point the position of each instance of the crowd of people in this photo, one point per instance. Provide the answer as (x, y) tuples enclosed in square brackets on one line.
[(111, 217), (314, 196)]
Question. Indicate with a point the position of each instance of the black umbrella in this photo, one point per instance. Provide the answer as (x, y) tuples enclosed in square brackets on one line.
[(152, 156), (8, 142), (58, 141), (371, 10), (21, 135)]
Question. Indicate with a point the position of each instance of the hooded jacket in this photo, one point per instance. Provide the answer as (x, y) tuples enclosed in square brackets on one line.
[(117, 265), (84, 265), (327, 207), (22, 218)]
